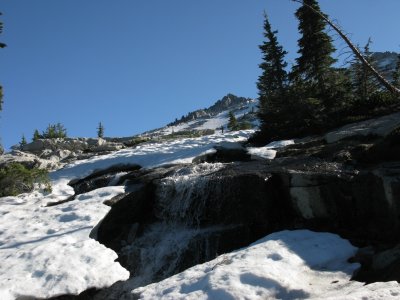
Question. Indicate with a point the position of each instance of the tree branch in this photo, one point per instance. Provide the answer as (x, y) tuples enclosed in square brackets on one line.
[(390, 87)]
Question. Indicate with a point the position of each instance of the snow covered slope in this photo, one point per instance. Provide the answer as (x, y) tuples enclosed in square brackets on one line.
[(46, 251), (212, 118)]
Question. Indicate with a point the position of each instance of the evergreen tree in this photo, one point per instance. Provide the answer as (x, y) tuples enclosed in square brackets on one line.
[(50, 132), (60, 131), (54, 131), (272, 82), (100, 130), (318, 91), (314, 65), (36, 135), (23, 142), (232, 123)]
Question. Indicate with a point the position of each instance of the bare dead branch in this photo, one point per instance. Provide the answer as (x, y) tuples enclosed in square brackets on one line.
[(391, 88)]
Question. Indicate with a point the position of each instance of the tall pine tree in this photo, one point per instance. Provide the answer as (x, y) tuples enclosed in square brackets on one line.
[(273, 80), (272, 83), (319, 90), (36, 135), (100, 130), (314, 64)]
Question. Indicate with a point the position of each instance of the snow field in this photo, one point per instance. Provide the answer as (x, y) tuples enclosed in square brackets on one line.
[(47, 251)]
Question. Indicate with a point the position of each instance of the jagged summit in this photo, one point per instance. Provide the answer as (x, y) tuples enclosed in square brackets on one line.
[(228, 102)]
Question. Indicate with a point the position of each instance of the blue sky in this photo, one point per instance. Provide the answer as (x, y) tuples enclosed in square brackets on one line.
[(136, 65)]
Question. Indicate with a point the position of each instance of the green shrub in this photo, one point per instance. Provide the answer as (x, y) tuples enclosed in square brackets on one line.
[(15, 179)]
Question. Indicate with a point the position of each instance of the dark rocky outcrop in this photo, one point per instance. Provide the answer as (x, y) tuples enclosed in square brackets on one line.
[(225, 153), (102, 178), (239, 203), (177, 216)]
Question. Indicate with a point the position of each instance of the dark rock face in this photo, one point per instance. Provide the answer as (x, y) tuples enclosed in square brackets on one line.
[(101, 178), (380, 265), (133, 209), (182, 216), (198, 211), (175, 217)]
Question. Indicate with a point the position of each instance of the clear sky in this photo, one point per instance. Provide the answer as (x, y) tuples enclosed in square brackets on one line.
[(136, 65)]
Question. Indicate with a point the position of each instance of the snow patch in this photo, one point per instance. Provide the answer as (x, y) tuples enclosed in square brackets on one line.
[(284, 265)]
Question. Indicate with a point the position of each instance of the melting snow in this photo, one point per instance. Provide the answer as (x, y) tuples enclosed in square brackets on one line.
[(46, 251), (268, 151), (284, 265)]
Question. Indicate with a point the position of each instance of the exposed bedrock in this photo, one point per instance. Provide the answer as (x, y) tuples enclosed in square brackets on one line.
[(174, 217), (184, 215)]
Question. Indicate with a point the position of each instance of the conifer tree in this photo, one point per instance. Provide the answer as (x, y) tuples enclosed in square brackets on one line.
[(314, 63), (23, 142), (54, 131), (60, 131), (100, 130), (36, 135), (50, 132), (232, 123), (272, 82)]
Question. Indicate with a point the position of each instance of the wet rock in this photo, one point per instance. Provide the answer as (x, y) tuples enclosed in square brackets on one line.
[(133, 208), (224, 153), (102, 178), (381, 265)]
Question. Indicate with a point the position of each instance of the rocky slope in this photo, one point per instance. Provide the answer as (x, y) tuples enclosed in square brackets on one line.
[(211, 119), (345, 182), (181, 211), (53, 153)]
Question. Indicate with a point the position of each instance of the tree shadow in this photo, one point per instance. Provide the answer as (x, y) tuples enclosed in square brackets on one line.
[(45, 238)]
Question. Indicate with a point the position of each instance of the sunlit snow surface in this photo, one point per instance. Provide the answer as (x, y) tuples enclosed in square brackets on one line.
[(268, 151), (46, 251), (284, 265)]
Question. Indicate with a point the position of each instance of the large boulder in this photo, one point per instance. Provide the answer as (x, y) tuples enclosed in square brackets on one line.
[(69, 148), (29, 160)]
